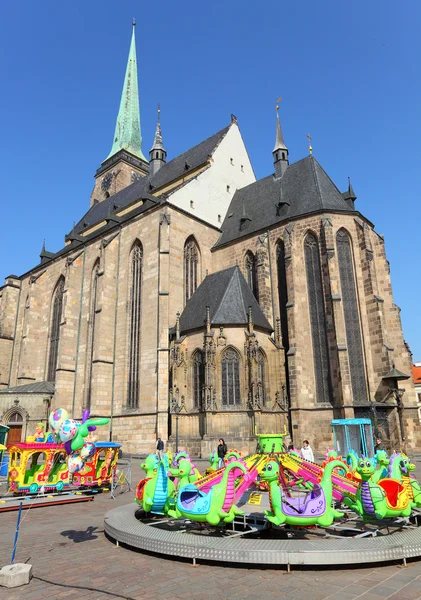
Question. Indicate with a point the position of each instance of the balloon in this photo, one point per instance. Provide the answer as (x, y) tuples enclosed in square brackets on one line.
[(85, 415), (68, 446), (87, 451), (83, 430), (57, 417), (68, 430), (75, 462)]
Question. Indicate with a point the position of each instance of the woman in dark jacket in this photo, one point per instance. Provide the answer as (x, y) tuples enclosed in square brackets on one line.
[(222, 450)]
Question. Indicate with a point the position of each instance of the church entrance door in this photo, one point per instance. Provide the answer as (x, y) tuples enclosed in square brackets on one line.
[(15, 432)]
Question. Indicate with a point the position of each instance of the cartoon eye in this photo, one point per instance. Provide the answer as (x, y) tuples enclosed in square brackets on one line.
[(362, 463), (269, 467), (367, 463)]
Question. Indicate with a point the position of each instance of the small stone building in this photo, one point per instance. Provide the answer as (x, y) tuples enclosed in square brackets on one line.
[(192, 296)]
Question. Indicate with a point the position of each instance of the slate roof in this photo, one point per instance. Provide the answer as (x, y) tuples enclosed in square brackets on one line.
[(38, 387), (228, 296), (172, 170), (304, 188)]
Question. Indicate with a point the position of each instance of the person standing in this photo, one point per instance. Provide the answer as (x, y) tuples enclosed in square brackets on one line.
[(222, 450), (159, 449), (307, 452)]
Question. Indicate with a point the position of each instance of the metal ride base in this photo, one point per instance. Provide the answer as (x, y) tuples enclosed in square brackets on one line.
[(249, 540)]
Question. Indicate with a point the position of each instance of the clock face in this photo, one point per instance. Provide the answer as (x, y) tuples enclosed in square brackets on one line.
[(106, 181), (135, 176)]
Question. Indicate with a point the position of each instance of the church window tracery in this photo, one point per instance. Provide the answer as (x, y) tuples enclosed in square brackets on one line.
[(198, 378), (352, 319), (55, 329), (251, 273), (136, 261), (317, 318), (191, 264), (230, 378)]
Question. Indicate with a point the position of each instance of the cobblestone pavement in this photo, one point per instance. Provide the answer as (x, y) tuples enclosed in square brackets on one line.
[(66, 544)]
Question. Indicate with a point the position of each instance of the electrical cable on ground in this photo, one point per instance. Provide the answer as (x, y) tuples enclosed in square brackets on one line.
[(81, 587)]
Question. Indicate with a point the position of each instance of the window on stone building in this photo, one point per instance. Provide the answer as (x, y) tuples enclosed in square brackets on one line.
[(191, 267), (91, 330), (317, 318), (230, 378), (198, 378), (282, 292), (251, 273), (352, 318), (262, 375), (57, 310), (135, 303)]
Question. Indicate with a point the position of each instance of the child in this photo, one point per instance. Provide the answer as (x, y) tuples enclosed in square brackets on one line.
[(307, 452)]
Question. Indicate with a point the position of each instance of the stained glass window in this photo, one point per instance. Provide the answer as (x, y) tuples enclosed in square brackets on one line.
[(198, 378), (134, 325), (251, 273), (230, 378), (191, 261), (317, 318), (352, 319), (55, 329)]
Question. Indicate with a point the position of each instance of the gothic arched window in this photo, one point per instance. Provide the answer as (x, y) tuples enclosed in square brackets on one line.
[(262, 375), (352, 319), (55, 329), (317, 318), (282, 293), (91, 332), (230, 378), (135, 303), (191, 264), (251, 273), (198, 378)]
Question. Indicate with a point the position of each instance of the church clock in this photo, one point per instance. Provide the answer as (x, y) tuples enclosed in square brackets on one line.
[(106, 182)]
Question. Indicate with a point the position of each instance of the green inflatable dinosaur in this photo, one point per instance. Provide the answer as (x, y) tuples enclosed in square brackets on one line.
[(387, 498), (213, 506), (313, 509), (150, 465), (154, 494), (183, 471)]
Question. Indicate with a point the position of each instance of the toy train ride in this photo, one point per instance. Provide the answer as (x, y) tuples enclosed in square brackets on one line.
[(42, 467)]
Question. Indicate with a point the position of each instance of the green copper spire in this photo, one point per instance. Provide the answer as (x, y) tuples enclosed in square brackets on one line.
[(127, 129)]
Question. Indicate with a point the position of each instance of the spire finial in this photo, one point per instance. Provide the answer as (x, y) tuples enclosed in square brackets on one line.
[(134, 22), (310, 147), (159, 112), (277, 103)]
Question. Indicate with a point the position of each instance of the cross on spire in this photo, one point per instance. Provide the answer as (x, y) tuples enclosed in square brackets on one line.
[(310, 147)]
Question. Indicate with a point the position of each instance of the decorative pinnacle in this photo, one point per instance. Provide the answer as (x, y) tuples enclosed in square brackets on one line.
[(310, 147), (134, 22), (279, 140)]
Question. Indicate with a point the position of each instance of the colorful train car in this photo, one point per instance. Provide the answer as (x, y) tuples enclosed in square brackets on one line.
[(36, 466), (100, 469)]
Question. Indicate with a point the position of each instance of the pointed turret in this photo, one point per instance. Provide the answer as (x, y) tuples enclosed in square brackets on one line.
[(349, 196), (280, 151), (127, 134), (157, 154)]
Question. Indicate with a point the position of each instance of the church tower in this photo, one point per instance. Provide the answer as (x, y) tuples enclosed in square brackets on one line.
[(126, 162), (280, 151)]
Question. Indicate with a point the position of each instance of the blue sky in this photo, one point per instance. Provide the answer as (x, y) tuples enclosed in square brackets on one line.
[(348, 73)]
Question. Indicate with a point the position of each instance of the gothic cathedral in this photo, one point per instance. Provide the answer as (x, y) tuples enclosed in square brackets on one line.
[(191, 295)]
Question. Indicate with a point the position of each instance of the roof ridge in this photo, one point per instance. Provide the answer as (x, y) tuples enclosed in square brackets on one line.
[(316, 178), (236, 274), (329, 178)]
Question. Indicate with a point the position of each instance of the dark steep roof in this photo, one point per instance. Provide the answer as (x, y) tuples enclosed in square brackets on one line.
[(38, 387), (228, 296), (142, 188), (304, 188)]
